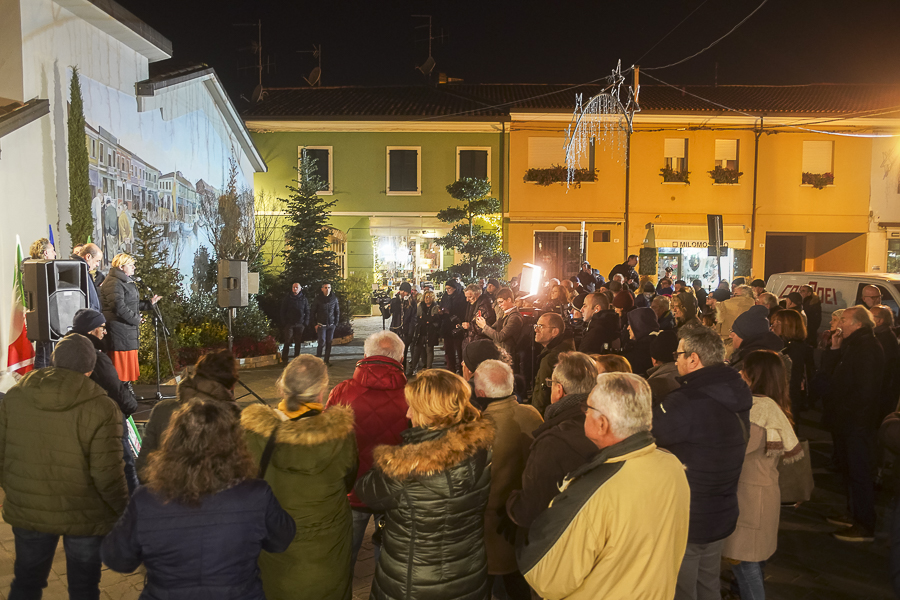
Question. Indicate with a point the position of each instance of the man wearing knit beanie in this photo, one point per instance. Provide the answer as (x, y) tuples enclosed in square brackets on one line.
[(750, 332), (476, 353)]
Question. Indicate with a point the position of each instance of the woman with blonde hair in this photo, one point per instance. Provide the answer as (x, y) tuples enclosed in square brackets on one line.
[(308, 456), (433, 489), (771, 438), (203, 518), (427, 332), (122, 306), (611, 363)]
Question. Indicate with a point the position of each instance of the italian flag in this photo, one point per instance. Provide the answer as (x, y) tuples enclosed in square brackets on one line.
[(20, 355)]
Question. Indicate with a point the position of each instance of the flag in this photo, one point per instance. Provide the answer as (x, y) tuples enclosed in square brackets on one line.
[(51, 235), (20, 354)]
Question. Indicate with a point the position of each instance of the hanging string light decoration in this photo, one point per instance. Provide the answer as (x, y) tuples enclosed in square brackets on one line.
[(605, 118)]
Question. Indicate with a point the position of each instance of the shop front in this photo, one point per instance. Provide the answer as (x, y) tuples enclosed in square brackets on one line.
[(686, 250), (405, 248)]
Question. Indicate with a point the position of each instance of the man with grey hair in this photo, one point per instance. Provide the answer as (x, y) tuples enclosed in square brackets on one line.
[(770, 301), (379, 405), (513, 424), (560, 445), (620, 516), (61, 468), (705, 423), (855, 366), (92, 256)]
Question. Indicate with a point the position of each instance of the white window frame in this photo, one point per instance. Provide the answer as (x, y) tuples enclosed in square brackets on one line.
[(387, 170), (461, 148), (330, 190)]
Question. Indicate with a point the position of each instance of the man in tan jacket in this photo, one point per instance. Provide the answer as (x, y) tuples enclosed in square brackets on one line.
[(729, 310)]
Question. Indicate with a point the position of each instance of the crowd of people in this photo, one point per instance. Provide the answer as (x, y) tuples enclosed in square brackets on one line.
[(607, 438)]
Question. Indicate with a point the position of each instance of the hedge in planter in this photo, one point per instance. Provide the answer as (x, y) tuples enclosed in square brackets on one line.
[(559, 174), (725, 176), (670, 175), (818, 180)]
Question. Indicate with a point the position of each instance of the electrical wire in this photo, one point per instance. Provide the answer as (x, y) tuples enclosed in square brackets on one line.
[(638, 61), (696, 54)]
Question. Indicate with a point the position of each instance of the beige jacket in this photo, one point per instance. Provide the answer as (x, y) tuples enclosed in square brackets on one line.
[(726, 312)]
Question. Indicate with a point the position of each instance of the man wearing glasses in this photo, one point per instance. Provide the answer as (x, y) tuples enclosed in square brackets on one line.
[(706, 424), (871, 296), (619, 527), (549, 332)]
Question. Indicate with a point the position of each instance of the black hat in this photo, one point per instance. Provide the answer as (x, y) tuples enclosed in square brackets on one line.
[(87, 320), (76, 353), (738, 281), (752, 323), (494, 282), (664, 345), (721, 295), (405, 287), (479, 351), (758, 283)]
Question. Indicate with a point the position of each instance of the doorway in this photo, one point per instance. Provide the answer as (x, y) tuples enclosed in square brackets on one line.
[(784, 253), (558, 253)]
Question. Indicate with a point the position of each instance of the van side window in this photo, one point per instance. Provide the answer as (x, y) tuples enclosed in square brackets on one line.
[(886, 298)]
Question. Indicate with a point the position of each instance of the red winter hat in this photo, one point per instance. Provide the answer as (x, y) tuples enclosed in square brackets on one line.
[(623, 300)]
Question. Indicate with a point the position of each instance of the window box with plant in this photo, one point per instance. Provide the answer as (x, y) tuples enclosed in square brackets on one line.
[(722, 175), (818, 180), (670, 175), (559, 174)]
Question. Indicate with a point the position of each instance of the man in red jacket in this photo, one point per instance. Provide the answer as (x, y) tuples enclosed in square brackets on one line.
[(376, 395)]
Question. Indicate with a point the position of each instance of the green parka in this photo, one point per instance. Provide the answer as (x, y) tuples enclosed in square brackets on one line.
[(434, 489), (311, 471), (61, 463)]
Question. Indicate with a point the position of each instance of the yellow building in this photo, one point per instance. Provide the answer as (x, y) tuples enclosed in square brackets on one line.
[(804, 200)]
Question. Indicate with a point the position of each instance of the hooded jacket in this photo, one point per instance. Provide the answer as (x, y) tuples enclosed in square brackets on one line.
[(61, 463), (726, 312), (375, 393), (559, 448), (200, 553), (106, 376), (549, 356), (663, 378), (311, 470), (643, 324), (618, 528), (122, 306), (602, 330), (433, 490), (192, 386), (706, 424), (326, 310), (766, 341)]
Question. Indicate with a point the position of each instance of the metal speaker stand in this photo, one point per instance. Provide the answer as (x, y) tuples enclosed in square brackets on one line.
[(230, 345)]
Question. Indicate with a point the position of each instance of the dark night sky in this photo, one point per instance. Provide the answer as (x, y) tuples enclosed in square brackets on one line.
[(371, 43)]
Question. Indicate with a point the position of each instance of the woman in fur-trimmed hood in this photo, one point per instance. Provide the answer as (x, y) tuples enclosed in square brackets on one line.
[(433, 489), (311, 466)]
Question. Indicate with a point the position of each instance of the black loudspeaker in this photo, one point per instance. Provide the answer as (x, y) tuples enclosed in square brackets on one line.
[(54, 291), (232, 283)]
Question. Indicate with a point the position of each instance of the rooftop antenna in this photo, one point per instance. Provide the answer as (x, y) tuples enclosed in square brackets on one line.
[(257, 48), (315, 76), (428, 66)]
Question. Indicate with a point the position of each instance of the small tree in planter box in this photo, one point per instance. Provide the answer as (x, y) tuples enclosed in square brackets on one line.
[(725, 176), (818, 180), (670, 175)]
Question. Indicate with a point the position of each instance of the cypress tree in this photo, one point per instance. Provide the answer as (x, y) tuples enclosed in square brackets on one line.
[(82, 224)]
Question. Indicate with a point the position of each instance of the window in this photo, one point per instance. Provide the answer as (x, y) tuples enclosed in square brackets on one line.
[(676, 154), (727, 154), (322, 167), (473, 162), (818, 157), (93, 148), (601, 235), (102, 155), (404, 169)]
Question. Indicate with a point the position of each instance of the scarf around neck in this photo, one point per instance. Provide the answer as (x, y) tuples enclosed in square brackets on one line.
[(304, 408), (780, 436)]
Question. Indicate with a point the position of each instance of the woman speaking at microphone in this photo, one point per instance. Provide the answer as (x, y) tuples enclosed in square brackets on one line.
[(121, 307)]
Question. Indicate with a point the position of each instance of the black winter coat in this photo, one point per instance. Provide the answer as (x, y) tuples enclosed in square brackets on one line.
[(106, 376), (326, 310), (890, 387), (200, 553), (93, 293), (294, 310), (485, 307), (602, 330), (706, 424), (637, 352), (121, 307), (433, 490), (428, 324), (399, 308), (855, 372), (453, 307), (813, 309), (767, 341), (803, 368)]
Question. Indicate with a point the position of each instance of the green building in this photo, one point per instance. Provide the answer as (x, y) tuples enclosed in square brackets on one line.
[(387, 155)]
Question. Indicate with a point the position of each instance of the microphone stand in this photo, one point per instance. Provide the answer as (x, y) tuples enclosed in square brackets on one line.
[(157, 320)]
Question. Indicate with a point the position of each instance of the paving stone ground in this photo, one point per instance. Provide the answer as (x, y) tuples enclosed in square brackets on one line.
[(808, 565)]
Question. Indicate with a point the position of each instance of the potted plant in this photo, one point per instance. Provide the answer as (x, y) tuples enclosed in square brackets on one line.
[(818, 180), (559, 174), (725, 176), (670, 175)]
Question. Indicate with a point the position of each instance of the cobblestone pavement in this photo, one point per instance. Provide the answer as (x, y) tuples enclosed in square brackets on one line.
[(809, 564)]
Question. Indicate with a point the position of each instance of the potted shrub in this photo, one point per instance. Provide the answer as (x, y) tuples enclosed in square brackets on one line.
[(670, 175), (818, 180), (725, 176)]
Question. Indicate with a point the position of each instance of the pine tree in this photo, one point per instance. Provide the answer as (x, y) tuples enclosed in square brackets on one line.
[(480, 245), (152, 265), (82, 225), (308, 259)]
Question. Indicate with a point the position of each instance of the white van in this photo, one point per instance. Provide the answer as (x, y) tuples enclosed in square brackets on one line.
[(838, 290)]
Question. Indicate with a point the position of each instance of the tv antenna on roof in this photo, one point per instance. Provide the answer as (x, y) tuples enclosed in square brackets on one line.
[(315, 76), (428, 66), (257, 48)]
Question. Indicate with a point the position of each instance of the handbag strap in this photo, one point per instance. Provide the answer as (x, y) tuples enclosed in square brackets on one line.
[(270, 445)]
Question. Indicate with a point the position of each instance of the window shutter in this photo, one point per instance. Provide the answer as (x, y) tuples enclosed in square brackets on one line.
[(675, 147), (817, 157), (546, 152), (404, 171), (473, 163), (726, 149)]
